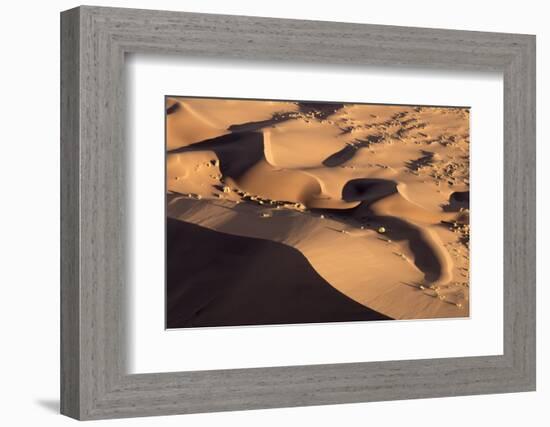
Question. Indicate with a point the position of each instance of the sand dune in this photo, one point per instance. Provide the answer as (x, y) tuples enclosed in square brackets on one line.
[(296, 293), (191, 120), (375, 197)]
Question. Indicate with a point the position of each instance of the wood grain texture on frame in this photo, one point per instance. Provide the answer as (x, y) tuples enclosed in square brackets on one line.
[(94, 380)]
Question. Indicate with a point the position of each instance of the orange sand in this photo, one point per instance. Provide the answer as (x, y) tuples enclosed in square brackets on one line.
[(374, 196)]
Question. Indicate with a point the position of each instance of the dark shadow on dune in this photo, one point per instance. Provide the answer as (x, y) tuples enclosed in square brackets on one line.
[(369, 140), (320, 110), (368, 190), (237, 152), (347, 153), (425, 160), (340, 157), (458, 200), (173, 108), (218, 279), (259, 125)]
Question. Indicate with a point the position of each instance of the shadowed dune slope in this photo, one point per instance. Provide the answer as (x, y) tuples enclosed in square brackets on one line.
[(218, 279), (236, 152)]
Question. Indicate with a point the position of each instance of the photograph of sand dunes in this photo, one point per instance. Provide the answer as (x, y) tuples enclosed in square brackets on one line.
[(289, 212)]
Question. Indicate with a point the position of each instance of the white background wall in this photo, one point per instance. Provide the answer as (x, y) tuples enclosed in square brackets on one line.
[(29, 213)]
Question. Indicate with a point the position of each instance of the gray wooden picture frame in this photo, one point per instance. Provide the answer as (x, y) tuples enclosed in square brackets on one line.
[(94, 381)]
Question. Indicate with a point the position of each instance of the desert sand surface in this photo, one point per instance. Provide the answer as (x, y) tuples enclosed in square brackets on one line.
[(296, 293), (303, 212)]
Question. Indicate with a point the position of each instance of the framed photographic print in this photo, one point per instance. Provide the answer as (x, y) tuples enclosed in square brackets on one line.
[(262, 213)]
